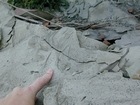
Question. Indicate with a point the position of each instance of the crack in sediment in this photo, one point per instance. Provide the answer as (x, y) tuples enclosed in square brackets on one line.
[(65, 54), (12, 31)]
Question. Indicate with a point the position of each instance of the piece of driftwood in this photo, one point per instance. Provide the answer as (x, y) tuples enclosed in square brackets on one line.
[(99, 25), (54, 27), (34, 14), (27, 19)]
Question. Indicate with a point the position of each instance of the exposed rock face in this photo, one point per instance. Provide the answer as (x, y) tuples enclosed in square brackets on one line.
[(86, 71), (6, 22), (107, 89), (98, 11)]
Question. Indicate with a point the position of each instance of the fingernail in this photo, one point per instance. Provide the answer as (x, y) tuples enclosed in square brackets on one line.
[(49, 71)]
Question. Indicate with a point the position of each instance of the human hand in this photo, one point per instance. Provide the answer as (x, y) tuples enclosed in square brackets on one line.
[(27, 95)]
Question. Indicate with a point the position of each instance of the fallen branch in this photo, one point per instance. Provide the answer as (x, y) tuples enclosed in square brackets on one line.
[(71, 23), (30, 20), (100, 25)]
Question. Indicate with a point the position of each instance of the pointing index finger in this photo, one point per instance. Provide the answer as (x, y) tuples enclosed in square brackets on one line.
[(41, 82)]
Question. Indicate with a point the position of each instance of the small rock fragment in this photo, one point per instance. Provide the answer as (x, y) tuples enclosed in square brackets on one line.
[(106, 42), (122, 29), (71, 5), (72, 10), (134, 70), (137, 27), (131, 11), (32, 72), (102, 36), (46, 23)]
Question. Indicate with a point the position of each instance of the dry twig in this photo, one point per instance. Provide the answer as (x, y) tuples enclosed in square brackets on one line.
[(31, 20)]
